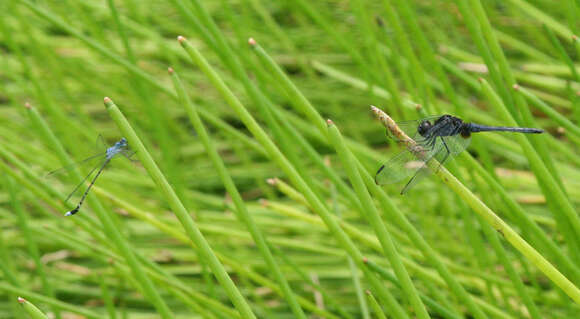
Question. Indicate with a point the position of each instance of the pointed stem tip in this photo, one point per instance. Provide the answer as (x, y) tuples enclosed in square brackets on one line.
[(27, 105), (21, 300), (170, 70), (251, 41), (329, 122), (180, 38), (516, 87)]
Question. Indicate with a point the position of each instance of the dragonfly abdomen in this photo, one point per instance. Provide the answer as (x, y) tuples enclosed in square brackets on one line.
[(474, 128)]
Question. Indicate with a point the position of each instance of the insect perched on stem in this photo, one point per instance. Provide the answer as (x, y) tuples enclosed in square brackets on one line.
[(121, 147), (438, 137)]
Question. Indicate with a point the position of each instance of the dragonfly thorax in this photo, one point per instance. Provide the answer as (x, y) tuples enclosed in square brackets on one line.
[(117, 148)]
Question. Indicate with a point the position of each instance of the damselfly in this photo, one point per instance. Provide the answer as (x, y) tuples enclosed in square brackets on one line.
[(121, 147)]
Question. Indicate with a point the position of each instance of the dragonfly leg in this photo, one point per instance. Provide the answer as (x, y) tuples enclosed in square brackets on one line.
[(129, 155), (407, 186), (446, 154), (421, 172)]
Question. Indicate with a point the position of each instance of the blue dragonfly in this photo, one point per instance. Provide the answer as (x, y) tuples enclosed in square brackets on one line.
[(441, 138)]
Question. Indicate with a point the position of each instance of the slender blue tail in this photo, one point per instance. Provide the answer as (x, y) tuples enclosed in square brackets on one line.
[(76, 209), (474, 128)]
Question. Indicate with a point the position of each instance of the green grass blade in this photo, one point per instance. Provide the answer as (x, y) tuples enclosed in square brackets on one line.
[(179, 210)]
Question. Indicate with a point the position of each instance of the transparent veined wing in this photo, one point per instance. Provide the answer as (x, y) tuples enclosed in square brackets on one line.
[(100, 144), (445, 149), (404, 165), (83, 181), (399, 167), (421, 173), (439, 153), (456, 143), (82, 162)]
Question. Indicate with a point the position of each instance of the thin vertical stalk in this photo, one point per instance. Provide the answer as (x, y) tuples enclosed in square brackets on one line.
[(291, 172), (109, 227), (417, 71), (522, 115), (179, 210), (371, 214), (554, 194), (107, 299), (549, 111), (375, 305), (23, 224), (437, 307), (305, 107), (509, 268), (364, 309), (525, 222), (241, 210)]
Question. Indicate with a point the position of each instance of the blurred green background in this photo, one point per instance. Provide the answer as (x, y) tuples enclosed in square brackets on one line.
[(261, 210)]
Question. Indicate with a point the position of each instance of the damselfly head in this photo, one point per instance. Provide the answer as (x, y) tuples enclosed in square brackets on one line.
[(122, 142)]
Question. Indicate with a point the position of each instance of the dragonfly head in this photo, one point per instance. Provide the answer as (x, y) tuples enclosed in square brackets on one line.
[(424, 127)]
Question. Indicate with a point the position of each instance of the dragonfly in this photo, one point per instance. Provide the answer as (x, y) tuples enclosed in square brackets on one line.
[(120, 147), (439, 137)]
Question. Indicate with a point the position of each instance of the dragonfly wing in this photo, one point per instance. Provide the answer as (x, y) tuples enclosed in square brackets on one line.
[(82, 182), (100, 143), (129, 154), (66, 168), (409, 127), (419, 176), (439, 153), (407, 163), (456, 143), (399, 167)]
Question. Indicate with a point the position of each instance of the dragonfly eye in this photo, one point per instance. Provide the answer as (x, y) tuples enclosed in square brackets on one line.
[(424, 128)]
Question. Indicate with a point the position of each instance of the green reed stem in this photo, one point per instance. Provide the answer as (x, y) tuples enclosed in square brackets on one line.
[(52, 302), (179, 210), (549, 111), (31, 242), (304, 106), (509, 268), (372, 215), (109, 227), (554, 194), (375, 306), (31, 309), (291, 172), (241, 210)]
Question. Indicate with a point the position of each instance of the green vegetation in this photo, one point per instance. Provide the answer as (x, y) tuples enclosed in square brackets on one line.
[(243, 201)]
